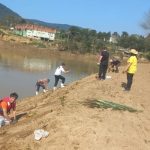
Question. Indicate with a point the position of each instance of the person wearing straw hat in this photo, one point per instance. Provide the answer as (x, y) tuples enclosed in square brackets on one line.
[(131, 68), (8, 105)]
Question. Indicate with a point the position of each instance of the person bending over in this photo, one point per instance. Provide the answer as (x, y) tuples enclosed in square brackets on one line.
[(114, 65), (6, 105), (42, 83)]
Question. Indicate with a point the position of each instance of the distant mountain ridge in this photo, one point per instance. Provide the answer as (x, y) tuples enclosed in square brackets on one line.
[(53, 25), (5, 11), (9, 17)]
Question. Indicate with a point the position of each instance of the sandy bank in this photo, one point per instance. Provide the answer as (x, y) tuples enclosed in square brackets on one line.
[(73, 125)]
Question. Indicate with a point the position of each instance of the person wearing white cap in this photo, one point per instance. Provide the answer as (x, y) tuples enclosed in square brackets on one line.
[(131, 68)]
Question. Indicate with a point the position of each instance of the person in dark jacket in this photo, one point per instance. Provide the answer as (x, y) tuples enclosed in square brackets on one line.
[(103, 64)]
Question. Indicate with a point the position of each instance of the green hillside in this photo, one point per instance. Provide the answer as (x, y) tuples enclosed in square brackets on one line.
[(9, 18)]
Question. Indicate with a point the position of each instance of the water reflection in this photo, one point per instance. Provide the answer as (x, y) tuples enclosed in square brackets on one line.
[(19, 71), (35, 64), (25, 63)]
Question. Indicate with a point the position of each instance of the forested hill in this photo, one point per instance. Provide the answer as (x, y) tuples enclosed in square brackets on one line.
[(9, 17), (8, 14)]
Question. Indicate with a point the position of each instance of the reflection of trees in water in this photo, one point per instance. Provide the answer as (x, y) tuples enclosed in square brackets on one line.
[(25, 63), (36, 64), (81, 66), (42, 60)]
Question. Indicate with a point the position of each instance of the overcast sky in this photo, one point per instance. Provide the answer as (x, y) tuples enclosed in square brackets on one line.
[(101, 15)]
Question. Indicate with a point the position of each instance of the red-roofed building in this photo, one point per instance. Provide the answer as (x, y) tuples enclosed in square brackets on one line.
[(35, 31)]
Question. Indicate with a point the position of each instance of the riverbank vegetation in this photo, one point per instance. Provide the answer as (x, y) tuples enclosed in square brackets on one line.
[(89, 41), (80, 41)]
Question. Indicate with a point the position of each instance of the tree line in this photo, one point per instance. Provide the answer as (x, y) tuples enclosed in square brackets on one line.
[(81, 40)]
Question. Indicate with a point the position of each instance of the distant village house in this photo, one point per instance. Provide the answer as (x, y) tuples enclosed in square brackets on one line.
[(113, 39), (35, 31)]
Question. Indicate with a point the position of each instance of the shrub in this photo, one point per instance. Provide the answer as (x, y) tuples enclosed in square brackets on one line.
[(147, 55)]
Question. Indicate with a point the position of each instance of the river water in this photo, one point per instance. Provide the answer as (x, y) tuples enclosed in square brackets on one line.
[(20, 71)]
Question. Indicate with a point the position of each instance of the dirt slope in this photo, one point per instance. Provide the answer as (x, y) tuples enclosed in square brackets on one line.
[(73, 125)]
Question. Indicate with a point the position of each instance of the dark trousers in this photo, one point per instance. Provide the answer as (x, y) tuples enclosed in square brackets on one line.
[(57, 79), (102, 71), (38, 85), (129, 80)]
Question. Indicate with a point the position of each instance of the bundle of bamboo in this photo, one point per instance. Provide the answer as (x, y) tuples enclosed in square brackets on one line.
[(115, 106)]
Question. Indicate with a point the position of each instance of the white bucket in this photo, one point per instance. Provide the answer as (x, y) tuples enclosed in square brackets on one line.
[(2, 121)]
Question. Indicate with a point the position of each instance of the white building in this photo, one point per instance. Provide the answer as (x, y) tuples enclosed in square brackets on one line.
[(113, 39)]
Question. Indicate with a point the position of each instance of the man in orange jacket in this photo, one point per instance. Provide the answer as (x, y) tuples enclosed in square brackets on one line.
[(6, 104)]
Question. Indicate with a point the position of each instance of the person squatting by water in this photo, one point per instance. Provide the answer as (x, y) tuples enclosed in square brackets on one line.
[(6, 105), (103, 64), (131, 68), (42, 83), (58, 75), (114, 65)]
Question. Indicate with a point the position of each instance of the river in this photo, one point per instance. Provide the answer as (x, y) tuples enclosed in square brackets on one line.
[(19, 71)]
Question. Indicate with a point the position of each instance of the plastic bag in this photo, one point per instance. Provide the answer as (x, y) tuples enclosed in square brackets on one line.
[(40, 133)]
